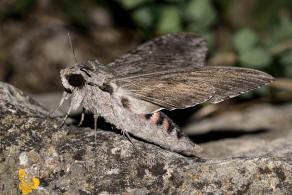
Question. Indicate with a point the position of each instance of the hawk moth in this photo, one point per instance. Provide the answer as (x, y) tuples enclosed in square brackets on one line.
[(167, 72)]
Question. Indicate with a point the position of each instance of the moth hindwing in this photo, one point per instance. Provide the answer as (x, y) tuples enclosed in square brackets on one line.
[(165, 73)]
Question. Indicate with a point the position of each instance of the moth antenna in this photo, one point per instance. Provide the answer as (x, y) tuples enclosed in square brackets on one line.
[(72, 48), (123, 131)]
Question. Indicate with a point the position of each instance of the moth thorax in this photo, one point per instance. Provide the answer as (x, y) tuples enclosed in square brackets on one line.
[(76, 80)]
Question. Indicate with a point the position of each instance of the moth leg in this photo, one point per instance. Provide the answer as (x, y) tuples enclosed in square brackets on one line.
[(82, 118), (123, 131), (129, 138), (95, 117), (65, 96), (67, 114)]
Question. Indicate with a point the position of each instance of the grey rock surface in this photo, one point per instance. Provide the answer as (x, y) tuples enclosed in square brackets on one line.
[(68, 161), (262, 116), (246, 130)]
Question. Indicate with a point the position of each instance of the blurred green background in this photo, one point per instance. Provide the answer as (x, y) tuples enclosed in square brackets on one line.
[(247, 33)]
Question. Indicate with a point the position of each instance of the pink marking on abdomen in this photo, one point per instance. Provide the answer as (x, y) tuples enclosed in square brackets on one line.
[(165, 124), (142, 116), (146, 116), (154, 118)]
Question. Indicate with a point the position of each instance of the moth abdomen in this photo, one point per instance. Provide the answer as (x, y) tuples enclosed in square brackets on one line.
[(155, 118), (168, 126), (161, 120), (146, 116)]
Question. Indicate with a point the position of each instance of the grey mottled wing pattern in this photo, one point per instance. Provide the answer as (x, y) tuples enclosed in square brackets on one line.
[(172, 51), (180, 89)]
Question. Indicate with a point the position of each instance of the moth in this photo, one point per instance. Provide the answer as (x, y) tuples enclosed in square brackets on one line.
[(167, 72)]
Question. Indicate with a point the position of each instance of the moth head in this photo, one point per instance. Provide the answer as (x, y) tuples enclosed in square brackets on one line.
[(80, 75), (74, 77)]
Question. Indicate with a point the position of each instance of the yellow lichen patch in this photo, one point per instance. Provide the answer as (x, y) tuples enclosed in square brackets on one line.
[(27, 186)]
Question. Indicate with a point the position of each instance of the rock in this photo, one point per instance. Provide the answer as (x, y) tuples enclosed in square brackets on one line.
[(46, 159), (262, 116), (242, 131)]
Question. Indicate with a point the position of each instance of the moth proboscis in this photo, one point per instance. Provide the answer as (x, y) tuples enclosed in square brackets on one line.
[(167, 72)]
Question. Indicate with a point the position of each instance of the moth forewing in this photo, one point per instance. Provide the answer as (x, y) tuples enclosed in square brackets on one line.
[(177, 89), (234, 81)]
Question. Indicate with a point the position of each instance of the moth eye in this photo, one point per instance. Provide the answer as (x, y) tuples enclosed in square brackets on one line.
[(76, 80)]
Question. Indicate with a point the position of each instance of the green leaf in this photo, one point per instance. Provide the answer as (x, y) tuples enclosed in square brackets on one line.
[(281, 32), (255, 58), (286, 61), (201, 13), (144, 17), (169, 20), (17, 8), (247, 95), (263, 17), (74, 10), (129, 4), (245, 39), (286, 58), (288, 71), (263, 91), (173, 1)]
